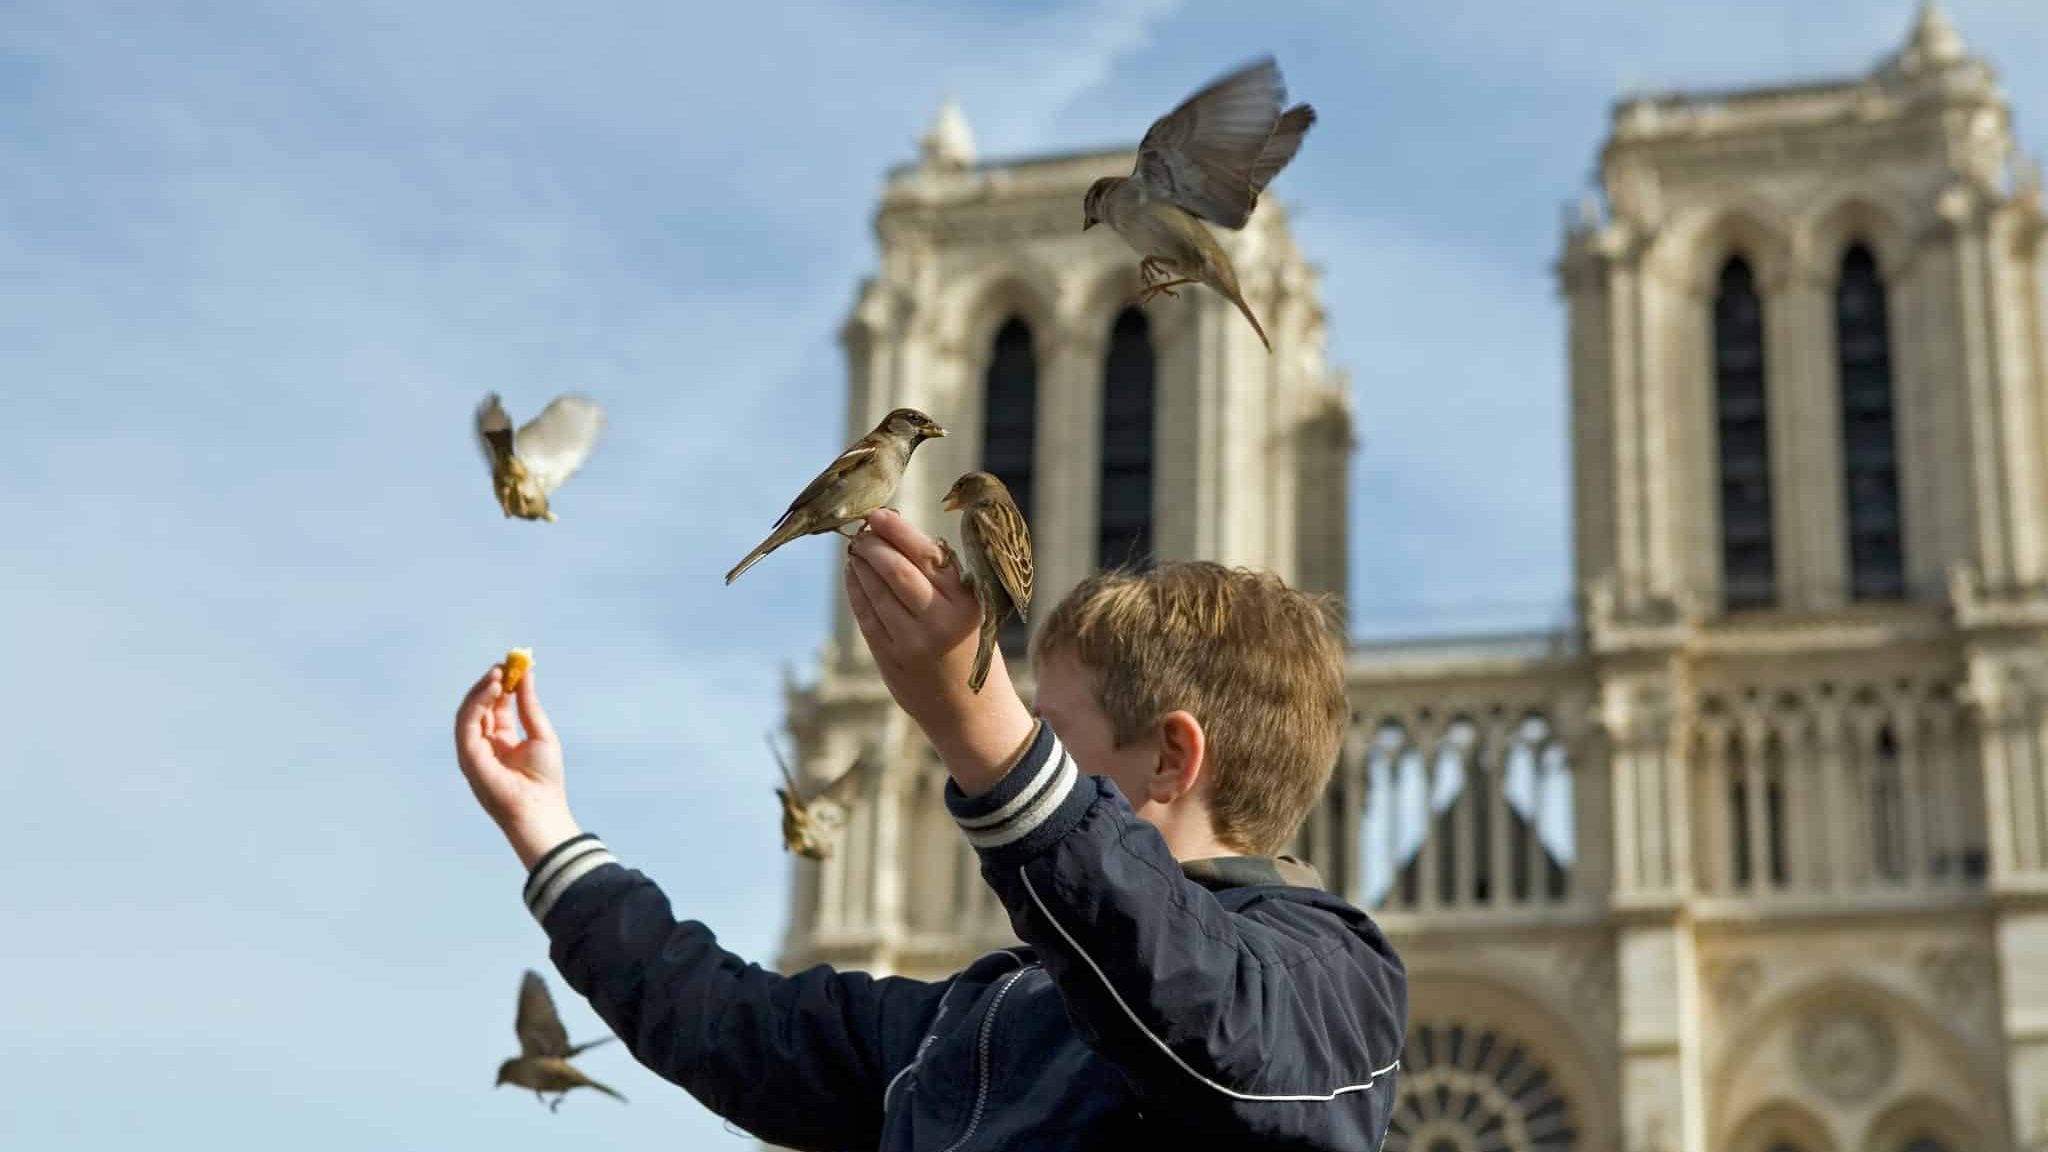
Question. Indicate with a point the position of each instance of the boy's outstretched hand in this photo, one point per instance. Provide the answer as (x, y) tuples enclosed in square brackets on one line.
[(518, 780), (920, 622)]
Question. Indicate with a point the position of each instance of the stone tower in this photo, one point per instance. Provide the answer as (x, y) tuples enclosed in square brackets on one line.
[(1126, 434)]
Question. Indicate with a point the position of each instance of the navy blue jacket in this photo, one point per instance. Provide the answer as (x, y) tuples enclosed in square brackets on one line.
[(1215, 1001)]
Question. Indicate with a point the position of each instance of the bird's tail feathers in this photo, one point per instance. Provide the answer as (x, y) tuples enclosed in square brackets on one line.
[(783, 534), (985, 652), (1237, 298)]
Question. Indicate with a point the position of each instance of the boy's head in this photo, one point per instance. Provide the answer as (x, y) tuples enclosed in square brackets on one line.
[(1199, 683)]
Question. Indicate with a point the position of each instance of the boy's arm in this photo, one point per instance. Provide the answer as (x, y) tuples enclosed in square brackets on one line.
[(799, 1060), (1288, 1027)]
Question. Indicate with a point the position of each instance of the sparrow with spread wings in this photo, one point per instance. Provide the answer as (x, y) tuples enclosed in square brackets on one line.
[(544, 1050), (998, 568), (528, 465), (862, 480), (1208, 159), (811, 827)]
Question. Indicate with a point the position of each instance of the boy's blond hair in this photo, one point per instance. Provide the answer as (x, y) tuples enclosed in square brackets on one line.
[(1259, 664)]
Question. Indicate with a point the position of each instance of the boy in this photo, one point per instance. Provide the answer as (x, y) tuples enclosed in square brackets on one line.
[(1176, 981)]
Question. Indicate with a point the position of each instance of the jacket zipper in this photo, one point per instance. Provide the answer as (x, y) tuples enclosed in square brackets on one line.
[(988, 1027)]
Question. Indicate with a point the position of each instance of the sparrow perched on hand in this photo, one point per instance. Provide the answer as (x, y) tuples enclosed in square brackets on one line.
[(998, 570), (528, 466), (811, 827), (1208, 158), (863, 479), (544, 1051)]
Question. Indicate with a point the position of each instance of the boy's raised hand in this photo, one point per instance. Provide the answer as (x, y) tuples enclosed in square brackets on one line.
[(517, 779), (920, 623)]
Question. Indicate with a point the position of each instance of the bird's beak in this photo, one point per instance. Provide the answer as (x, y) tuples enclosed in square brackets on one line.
[(934, 431), (952, 503)]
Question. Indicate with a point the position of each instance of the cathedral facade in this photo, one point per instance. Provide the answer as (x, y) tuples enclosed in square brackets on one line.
[(1755, 857)]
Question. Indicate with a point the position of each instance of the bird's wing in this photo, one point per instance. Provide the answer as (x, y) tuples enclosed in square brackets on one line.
[(554, 444), (846, 786), (795, 793), (1280, 148), (540, 1029), (862, 451), (1006, 541), (1203, 155), (493, 431)]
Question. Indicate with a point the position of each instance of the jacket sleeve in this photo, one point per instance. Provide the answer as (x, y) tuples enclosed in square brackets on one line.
[(1283, 1024), (797, 1060)]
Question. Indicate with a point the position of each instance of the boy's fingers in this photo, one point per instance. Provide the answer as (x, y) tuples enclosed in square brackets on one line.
[(904, 580), (889, 612), (863, 610), (530, 712), (469, 716), (902, 535)]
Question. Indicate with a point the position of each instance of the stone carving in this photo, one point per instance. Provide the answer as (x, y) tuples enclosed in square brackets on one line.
[(1591, 974), (1846, 1054), (1956, 977), (1733, 981)]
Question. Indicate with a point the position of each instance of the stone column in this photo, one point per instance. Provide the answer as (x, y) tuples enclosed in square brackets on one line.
[(1661, 1086), (1067, 461)]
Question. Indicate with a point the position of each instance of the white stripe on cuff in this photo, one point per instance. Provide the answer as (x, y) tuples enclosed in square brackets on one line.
[(1047, 801), (572, 868), (557, 858), (1022, 798)]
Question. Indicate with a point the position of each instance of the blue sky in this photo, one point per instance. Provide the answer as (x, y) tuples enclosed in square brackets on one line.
[(257, 265)]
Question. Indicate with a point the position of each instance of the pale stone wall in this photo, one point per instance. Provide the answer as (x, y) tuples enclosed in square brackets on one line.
[(1608, 949)]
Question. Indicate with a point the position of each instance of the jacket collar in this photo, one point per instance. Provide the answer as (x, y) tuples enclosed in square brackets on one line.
[(1218, 872)]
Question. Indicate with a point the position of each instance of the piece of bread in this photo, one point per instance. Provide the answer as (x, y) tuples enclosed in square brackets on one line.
[(517, 661)]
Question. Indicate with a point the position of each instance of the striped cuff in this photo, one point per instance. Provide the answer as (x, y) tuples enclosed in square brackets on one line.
[(1039, 801), (565, 863)]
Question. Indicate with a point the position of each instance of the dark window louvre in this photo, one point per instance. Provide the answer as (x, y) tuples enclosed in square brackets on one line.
[(1748, 574), (1877, 563), (1124, 493), (1009, 433)]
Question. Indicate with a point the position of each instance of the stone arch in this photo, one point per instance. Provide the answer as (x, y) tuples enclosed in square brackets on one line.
[(1840, 1046), (1021, 288), (1693, 251), (1556, 1069), (1780, 1124), (1093, 310), (1921, 1117), (1826, 235)]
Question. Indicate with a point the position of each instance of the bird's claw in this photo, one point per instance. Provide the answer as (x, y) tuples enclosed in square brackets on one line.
[(946, 558)]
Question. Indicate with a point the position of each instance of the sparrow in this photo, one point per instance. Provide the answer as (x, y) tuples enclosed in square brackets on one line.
[(544, 1051), (1208, 158), (998, 569), (527, 466), (862, 480), (811, 827)]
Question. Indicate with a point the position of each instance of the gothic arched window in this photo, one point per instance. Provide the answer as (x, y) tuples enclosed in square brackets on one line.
[(1463, 1086), (1748, 574), (1124, 499), (1877, 566), (1009, 431)]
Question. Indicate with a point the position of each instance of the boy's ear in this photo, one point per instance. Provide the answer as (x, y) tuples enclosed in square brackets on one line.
[(1183, 751)]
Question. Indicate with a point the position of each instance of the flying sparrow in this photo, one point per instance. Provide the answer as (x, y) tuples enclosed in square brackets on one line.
[(811, 827), (1208, 158), (998, 547), (863, 479), (544, 1051), (528, 466)]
